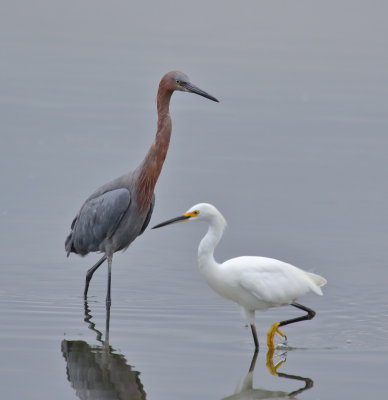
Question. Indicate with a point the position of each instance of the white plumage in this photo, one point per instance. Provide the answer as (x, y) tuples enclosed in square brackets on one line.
[(255, 283)]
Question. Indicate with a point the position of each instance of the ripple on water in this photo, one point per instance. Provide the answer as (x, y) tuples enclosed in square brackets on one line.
[(357, 318), (354, 318)]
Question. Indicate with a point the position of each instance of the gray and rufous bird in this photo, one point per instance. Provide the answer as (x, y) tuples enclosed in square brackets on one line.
[(119, 211)]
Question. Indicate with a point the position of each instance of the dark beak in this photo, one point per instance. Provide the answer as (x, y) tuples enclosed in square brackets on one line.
[(194, 89), (172, 221)]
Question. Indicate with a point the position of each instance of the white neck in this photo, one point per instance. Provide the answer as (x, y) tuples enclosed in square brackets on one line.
[(209, 242)]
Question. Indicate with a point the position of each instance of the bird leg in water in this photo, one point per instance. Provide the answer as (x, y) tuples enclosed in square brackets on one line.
[(255, 339), (108, 299), (90, 273), (107, 322), (275, 327)]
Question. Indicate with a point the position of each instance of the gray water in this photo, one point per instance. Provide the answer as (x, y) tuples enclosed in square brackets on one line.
[(295, 156)]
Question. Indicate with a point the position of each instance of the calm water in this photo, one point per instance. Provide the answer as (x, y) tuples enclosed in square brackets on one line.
[(295, 156)]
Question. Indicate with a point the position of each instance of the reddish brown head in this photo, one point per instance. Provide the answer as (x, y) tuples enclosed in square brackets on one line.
[(177, 80)]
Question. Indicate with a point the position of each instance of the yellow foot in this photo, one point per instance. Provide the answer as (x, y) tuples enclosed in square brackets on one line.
[(271, 334), (273, 369)]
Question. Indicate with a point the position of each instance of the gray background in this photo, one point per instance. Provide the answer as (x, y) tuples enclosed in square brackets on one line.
[(295, 156)]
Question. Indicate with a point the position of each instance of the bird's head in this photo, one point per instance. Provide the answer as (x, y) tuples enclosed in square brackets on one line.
[(199, 212), (177, 80)]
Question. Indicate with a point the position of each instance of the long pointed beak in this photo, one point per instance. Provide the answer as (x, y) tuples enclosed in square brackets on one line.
[(172, 221), (194, 89)]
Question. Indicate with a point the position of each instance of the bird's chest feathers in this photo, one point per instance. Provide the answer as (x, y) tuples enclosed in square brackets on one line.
[(222, 283), (225, 281)]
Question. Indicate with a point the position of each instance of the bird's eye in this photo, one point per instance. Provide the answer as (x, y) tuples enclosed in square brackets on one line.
[(196, 212), (178, 81)]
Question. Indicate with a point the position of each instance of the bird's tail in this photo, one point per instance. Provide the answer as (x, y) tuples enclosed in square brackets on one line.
[(318, 280)]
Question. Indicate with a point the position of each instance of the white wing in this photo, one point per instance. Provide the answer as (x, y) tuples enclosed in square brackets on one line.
[(272, 281)]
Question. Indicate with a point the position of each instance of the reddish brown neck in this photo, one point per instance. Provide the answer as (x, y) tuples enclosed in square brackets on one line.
[(149, 169)]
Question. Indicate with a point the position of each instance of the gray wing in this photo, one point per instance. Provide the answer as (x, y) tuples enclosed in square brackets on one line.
[(97, 220), (148, 217)]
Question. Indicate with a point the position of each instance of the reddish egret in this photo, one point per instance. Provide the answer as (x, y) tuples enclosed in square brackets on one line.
[(255, 283), (119, 211)]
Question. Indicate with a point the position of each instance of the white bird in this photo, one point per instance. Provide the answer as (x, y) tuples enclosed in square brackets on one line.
[(255, 283)]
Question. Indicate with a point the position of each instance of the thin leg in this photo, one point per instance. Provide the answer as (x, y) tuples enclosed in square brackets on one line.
[(255, 339), (107, 320), (108, 299), (90, 273), (275, 327), (310, 315), (253, 362)]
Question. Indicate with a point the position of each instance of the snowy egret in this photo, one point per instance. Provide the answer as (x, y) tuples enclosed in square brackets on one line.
[(255, 283)]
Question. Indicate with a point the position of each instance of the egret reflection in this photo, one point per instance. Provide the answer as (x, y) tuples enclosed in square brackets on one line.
[(245, 391), (98, 371)]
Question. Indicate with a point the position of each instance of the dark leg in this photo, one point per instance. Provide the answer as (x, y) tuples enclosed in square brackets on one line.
[(90, 273), (253, 362), (108, 299), (107, 320), (255, 339), (310, 315)]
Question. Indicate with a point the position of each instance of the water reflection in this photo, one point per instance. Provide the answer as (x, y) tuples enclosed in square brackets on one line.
[(245, 391), (97, 371), (92, 326)]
